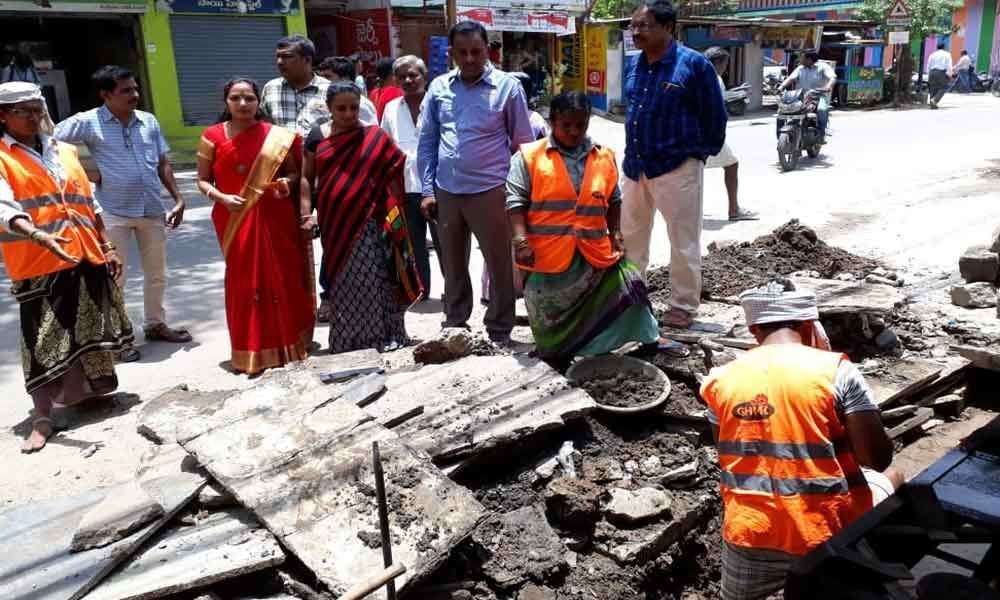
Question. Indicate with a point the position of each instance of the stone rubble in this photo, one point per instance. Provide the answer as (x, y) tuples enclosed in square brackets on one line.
[(974, 295), (628, 507), (979, 264)]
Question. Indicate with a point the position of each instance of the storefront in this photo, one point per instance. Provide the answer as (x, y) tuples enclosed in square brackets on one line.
[(193, 47), (68, 41)]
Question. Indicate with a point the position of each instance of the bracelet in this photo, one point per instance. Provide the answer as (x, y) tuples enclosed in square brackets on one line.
[(520, 241), (31, 236), (108, 247)]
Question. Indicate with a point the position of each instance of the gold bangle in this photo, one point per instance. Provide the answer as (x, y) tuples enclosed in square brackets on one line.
[(31, 236)]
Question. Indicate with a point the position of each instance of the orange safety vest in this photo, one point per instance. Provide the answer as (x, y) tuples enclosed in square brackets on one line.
[(559, 220), (789, 477), (67, 211)]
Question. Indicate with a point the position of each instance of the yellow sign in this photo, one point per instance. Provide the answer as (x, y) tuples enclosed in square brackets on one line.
[(597, 58), (570, 49), (790, 38)]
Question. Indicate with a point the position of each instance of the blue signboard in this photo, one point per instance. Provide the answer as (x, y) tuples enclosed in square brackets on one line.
[(236, 7)]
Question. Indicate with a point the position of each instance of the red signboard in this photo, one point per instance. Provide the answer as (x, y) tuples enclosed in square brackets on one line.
[(595, 81), (364, 33)]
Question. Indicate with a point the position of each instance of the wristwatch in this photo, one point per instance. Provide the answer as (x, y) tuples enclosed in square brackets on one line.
[(108, 247)]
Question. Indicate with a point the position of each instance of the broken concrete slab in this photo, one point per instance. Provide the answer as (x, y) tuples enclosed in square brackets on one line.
[(38, 564), (636, 546), (333, 368), (214, 495), (572, 503), (119, 515), (982, 358), (974, 295), (226, 544), (534, 592), (899, 412), (304, 469), (979, 263), (477, 403), (451, 343), (922, 415), (520, 545), (633, 507), (838, 297), (901, 380)]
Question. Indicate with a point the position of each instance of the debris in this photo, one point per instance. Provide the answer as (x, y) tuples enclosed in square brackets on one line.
[(877, 279), (979, 263), (627, 546), (651, 466), (572, 503), (119, 515), (931, 424), (922, 415), (534, 592), (90, 450), (183, 558), (627, 507), (899, 412), (567, 458), (520, 545), (717, 245), (887, 339), (950, 406), (837, 298), (681, 473), (738, 343), (974, 295), (603, 470), (716, 354), (982, 358), (450, 344), (214, 495), (902, 380)]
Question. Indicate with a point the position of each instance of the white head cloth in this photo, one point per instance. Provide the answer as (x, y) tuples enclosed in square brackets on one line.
[(21, 91), (778, 301)]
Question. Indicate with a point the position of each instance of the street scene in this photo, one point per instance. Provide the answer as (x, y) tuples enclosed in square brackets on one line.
[(462, 302)]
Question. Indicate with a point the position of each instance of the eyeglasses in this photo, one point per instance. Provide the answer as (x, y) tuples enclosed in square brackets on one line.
[(24, 113)]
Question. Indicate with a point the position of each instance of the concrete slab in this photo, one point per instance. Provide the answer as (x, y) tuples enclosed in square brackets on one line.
[(227, 544), (35, 541), (477, 403), (116, 517), (840, 297), (520, 545), (304, 469), (901, 380)]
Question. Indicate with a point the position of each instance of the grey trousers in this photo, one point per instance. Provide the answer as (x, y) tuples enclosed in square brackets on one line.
[(485, 216), (937, 84)]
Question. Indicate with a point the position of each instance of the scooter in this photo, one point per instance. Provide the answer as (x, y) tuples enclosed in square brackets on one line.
[(798, 127), (737, 99)]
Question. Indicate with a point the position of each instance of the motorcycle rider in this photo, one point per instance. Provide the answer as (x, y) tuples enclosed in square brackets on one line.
[(814, 75)]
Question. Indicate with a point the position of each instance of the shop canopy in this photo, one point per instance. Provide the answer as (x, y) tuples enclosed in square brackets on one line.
[(74, 6)]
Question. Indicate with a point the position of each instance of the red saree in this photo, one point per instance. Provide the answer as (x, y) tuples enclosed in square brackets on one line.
[(270, 306)]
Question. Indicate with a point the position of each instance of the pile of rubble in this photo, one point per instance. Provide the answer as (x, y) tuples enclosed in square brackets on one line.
[(980, 268)]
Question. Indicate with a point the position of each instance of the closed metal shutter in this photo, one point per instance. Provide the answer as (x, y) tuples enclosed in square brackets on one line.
[(209, 51)]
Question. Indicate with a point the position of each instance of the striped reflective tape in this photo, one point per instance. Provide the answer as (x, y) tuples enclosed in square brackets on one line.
[(782, 450), (552, 205), (54, 200), (550, 229), (53, 227), (790, 487), (592, 234), (591, 211)]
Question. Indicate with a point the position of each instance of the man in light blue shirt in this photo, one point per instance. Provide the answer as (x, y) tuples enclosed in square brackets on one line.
[(131, 155), (471, 121)]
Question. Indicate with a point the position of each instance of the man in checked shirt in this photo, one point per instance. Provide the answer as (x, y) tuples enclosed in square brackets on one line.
[(676, 118)]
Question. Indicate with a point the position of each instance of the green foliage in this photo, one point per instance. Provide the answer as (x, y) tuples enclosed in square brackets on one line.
[(620, 9), (930, 17)]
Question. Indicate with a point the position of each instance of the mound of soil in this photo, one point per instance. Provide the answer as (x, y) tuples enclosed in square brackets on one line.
[(623, 390), (789, 248)]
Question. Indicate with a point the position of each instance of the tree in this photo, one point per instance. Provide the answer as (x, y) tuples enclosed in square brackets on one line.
[(622, 9), (928, 17)]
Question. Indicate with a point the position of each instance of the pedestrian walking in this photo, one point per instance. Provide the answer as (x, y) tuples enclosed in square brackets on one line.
[(338, 68), (802, 449), (61, 263), (250, 170), (676, 118), (473, 117), (938, 71), (357, 172), (726, 159), (297, 99), (131, 155), (387, 89), (584, 298), (963, 74), (402, 122)]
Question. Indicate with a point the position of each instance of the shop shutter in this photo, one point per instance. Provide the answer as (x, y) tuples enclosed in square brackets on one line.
[(209, 51)]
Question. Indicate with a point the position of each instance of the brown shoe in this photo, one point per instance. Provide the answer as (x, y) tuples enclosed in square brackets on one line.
[(162, 333)]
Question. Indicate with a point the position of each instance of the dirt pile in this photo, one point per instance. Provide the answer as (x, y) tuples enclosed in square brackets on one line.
[(624, 390), (791, 248)]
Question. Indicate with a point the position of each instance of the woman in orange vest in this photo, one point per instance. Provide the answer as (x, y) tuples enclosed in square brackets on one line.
[(584, 297), (60, 262)]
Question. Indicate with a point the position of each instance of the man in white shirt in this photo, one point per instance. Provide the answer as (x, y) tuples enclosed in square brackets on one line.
[(963, 73), (401, 120), (339, 68), (938, 70)]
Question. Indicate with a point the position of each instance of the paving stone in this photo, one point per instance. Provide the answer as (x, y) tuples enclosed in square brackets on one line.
[(302, 465), (632, 507), (974, 295), (477, 403), (450, 344), (225, 545), (979, 263), (116, 517), (572, 503), (520, 545)]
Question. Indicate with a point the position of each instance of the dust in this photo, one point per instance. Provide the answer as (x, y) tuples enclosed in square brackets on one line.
[(622, 389), (789, 248)]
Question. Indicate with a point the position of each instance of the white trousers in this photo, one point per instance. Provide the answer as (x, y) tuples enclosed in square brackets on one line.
[(151, 238), (678, 196)]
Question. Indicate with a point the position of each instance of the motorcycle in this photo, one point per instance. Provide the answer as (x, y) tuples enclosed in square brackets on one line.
[(772, 81), (798, 127), (737, 99), (980, 82)]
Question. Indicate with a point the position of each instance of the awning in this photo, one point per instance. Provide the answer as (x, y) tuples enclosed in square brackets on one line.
[(496, 19), (74, 6)]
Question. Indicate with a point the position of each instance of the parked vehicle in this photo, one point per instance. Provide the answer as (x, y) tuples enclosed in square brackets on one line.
[(798, 127), (772, 81), (737, 99), (995, 88), (980, 82)]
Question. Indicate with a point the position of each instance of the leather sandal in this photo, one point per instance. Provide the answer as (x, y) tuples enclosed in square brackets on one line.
[(162, 333)]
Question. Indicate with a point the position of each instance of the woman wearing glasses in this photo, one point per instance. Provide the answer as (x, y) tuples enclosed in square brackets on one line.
[(60, 261)]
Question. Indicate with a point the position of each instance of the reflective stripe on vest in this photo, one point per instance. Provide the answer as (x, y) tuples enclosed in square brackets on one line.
[(67, 211), (560, 220), (789, 478)]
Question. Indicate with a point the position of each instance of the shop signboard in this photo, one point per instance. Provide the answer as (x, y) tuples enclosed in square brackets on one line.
[(557, 22), (597, 58), (864, 84), (73, 6), (235, 7), (570, 48), (364, 33), (791, 38)]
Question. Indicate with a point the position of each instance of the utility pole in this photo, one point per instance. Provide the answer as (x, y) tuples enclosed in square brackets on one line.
[(451, 12)]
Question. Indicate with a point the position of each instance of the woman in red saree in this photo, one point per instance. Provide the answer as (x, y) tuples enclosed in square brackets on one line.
[(250, 169), (357, 172)]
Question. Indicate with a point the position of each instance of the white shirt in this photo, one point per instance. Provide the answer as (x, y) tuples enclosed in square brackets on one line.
[(963, 63), (397, 121), (940, 60), (49, 160)]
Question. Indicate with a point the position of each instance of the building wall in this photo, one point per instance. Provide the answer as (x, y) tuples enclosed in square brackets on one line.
[(164, 90)]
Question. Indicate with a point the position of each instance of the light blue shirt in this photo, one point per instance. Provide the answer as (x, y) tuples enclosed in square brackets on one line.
[(128, 157), (468, 132)]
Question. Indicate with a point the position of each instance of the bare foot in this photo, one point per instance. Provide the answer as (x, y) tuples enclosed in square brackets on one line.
[(41, 430)]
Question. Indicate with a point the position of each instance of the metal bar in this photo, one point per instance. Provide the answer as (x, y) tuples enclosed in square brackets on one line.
[(385, 577), (383, 518)]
